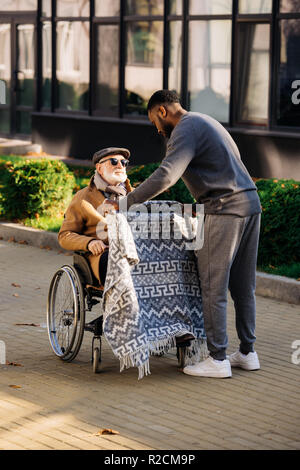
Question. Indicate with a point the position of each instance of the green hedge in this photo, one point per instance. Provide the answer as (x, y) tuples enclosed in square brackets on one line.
[(178, 192), (280, 221), (30, 188)]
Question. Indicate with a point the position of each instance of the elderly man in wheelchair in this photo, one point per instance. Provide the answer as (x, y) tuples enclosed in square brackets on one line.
[(73, 288)]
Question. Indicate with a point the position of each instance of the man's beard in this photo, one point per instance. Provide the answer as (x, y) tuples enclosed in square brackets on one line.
[(167, 128), (113, 178)]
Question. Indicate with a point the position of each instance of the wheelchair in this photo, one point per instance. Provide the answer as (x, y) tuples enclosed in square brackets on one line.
[(73, 292)]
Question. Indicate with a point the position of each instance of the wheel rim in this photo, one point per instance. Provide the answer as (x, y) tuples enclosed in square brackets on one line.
[(62, 312)]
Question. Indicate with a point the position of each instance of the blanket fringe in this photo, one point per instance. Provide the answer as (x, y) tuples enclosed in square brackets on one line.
[(195, 353)]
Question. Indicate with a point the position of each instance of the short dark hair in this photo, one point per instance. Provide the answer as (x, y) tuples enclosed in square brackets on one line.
[(161, 97)]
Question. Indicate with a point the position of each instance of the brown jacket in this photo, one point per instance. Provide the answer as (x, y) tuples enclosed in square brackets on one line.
[(80, 222)]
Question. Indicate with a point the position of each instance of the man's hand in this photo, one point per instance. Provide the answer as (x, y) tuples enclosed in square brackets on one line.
[(96, 247)]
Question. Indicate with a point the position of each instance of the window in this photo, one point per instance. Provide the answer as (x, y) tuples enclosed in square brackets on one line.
[(5, 66), (72, 65), (107, 8), (288, 107), (46, 7), (175, 47), (255, 6), (176, 7), (47, 64), (144, 7), (210, 7), (74, 8), (210, 67), (18, 5), (252, 87), (144, 63), (290, 6), (107, 82)]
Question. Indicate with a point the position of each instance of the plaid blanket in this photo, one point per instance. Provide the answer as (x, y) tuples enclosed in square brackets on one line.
[(152, 291)]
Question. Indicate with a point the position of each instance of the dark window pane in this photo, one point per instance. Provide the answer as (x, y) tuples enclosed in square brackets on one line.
[(107, 68), (73, 8), (4, 120), (143, 70), (253, 73), (144, 7), (289, 75), (46, 7), (72, 69), (210, 67), (47, 65), (255, 6), (290, 6), (18, 5), (5, 52), (25, 64), (175, 56), (23, 124), (176, 7), (107, 8), (210, 7)]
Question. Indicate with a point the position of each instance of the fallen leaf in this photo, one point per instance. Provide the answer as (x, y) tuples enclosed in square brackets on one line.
[(15, 285), (15, 386), (36, 288), (16, 295), (12, 239), (27, 324), (13, 364), (101, 432), (23, 242)]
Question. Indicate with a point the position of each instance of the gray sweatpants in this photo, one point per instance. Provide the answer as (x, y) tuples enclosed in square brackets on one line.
[(228, 260)]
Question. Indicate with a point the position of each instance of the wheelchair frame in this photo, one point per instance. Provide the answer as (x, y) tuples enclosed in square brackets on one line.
[(66, 315)]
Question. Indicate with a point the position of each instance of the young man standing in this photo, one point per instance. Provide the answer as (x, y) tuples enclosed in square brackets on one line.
[(203, 154)]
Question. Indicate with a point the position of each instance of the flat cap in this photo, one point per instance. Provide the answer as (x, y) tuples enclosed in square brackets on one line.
[(110, 151)]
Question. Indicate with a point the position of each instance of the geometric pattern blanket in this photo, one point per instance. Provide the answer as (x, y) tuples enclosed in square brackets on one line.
[(151, 293)]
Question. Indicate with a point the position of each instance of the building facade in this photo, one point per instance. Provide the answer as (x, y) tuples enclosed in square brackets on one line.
[(78, 74)]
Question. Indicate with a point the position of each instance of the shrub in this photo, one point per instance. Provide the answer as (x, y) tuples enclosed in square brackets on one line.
[(35, 187), (280, 221), (178, 192)]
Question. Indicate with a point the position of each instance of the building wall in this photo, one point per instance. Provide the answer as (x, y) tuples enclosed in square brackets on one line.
[(265, 156)]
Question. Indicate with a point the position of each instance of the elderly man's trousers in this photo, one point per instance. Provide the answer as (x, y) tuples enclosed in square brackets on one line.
[(227, 260)]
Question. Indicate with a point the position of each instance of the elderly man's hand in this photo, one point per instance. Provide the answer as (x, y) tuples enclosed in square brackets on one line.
[(96, 247)]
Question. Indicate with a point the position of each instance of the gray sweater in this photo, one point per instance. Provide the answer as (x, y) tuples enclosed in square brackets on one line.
[(204, 155)]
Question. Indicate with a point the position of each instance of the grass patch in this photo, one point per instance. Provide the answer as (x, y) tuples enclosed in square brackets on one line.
[(51, 224)]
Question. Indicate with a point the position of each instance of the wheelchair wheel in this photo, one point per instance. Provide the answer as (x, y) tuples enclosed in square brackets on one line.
[(66, 313)]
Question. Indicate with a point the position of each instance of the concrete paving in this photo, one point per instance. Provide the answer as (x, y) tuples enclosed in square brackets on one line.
[(48, 404)]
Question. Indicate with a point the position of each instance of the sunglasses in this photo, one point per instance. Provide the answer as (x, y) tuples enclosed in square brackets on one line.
[(115, 161)]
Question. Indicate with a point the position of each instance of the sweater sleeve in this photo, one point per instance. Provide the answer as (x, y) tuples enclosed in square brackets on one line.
[(70, 235), (180, 152)]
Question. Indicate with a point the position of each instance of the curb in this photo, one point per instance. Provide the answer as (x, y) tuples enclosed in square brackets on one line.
[(279, 288)]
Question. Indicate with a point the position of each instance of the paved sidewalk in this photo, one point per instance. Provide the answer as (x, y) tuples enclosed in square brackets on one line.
[(60, 405)]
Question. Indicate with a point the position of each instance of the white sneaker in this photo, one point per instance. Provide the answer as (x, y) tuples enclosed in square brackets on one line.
[(209, 368), (244, 361)]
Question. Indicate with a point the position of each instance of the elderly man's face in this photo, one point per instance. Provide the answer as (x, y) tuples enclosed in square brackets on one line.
[(112, 174)]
